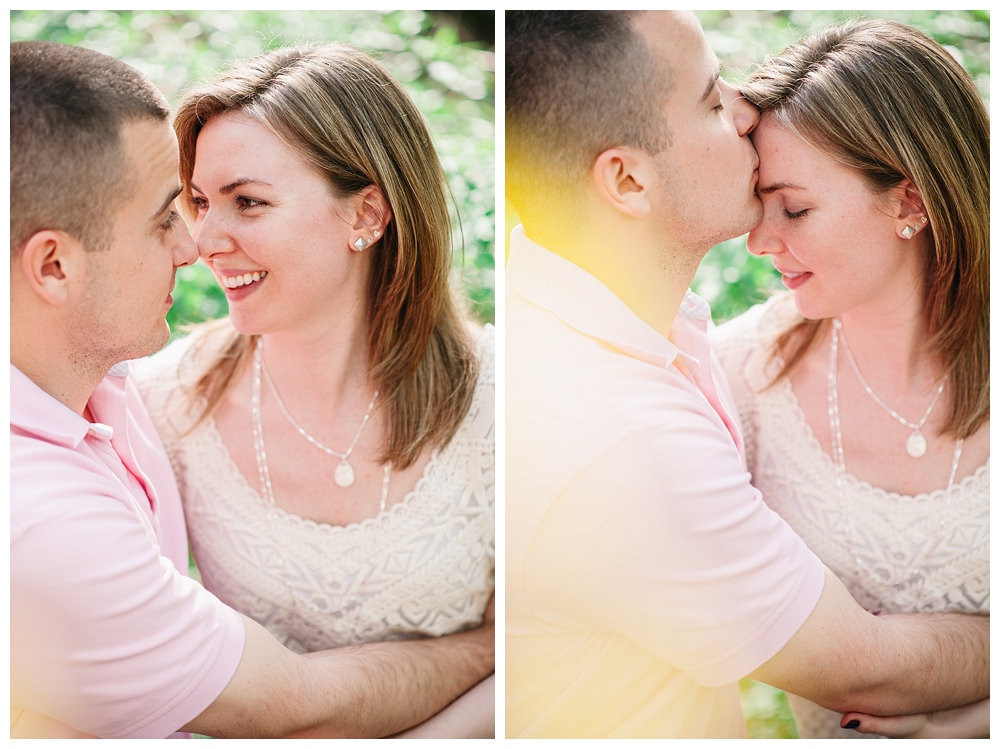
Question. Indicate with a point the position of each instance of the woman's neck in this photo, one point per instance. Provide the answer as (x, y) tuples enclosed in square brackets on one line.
[(321, 371), (888, 341)]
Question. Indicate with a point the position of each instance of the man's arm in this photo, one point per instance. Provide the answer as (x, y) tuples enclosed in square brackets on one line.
[(364, 691), (471, 716), (845, 659), (695, 568)]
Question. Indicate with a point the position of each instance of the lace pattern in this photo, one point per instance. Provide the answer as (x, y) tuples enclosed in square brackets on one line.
[(434, 570), (903, 554)]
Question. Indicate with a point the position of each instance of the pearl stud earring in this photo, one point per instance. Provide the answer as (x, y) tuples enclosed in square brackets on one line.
[(908, 231), (360, 243)]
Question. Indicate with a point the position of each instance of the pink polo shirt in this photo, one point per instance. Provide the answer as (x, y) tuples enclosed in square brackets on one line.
[(108, 634), (645, 576)]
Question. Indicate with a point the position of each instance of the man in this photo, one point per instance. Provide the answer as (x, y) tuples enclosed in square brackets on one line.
[(108, 636), (645, 576)]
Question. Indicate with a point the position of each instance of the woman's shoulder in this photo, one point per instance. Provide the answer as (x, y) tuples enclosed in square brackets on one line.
[(167, 379), (758, 327), (485, 341), (184, 360), (745, 344), (477, 424)]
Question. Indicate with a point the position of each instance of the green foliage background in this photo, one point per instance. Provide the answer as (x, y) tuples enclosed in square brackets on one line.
[(452, 84)]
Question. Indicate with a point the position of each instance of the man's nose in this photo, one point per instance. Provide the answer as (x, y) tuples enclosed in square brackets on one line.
[(745, 115), (185, 250)]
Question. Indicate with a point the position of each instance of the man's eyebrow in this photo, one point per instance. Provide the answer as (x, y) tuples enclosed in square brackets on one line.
[(778, 186), (166, 203), (711, 83)]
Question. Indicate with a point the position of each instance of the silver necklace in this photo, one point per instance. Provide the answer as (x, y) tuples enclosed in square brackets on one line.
[(840, 469), (343, 475), (916, 443), (264, 476)]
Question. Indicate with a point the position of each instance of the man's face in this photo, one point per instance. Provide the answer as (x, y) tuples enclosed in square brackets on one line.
[(126, 289), (709, 169)]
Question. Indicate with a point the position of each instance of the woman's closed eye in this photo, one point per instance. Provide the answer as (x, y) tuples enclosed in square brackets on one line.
[(795, 214)]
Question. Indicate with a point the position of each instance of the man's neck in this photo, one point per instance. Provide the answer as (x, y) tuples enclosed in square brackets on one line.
[(650, 277), (60, 374)]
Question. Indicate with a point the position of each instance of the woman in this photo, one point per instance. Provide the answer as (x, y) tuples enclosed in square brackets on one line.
[(333, 438), (865, 391)]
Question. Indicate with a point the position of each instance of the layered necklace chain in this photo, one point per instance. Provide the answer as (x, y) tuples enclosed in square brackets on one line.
[(911, 571), (343, 476), (267, 491), (916, 443)]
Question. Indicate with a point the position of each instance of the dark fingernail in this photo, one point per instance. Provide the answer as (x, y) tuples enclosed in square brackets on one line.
[(853, 724)]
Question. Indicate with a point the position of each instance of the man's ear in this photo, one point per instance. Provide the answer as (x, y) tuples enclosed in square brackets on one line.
[(906, 206), (48, 261), (623, 178), (371, 213)]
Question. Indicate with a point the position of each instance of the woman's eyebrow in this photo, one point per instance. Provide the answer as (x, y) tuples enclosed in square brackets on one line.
[(779, 186)]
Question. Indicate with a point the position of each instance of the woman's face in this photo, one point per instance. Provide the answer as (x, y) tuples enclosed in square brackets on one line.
[(268, 226), (832, 240)]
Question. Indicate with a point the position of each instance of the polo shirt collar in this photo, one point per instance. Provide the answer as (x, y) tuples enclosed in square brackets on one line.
[(36, 412), (584, 303)]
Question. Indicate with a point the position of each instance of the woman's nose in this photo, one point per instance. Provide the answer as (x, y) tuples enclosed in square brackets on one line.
[(210, 235), (762, 241)]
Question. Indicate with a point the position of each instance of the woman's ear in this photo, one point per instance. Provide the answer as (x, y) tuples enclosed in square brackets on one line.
[(908, 209), (48, 260), (371, 217), (622, 178)]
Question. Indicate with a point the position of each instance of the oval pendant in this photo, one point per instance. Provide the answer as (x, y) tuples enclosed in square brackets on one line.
[(344, 474), (916, 444)]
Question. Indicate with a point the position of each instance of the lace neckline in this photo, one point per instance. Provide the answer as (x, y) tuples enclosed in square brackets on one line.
[(805, 436), (214, 437)]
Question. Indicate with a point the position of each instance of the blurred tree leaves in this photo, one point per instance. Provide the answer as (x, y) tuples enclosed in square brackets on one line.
[(452, 83)]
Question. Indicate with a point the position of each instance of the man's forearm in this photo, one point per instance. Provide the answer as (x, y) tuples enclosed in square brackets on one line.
[(370, 690), (847, 660), (930, 662), (392, 686), (471, 716)]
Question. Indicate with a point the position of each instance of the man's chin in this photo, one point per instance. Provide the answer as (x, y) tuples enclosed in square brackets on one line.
[(156, 341)]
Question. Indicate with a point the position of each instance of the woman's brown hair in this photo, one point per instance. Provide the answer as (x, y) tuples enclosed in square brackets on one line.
[(345, 114), (890, 103)]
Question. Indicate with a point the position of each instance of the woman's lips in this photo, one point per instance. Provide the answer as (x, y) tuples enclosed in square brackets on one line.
[(239, 286), (794, 280)]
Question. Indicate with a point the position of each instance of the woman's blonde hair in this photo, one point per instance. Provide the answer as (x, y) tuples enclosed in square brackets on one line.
[(345, 114), (890, 103)]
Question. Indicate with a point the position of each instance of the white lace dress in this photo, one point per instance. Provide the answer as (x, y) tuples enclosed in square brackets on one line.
[(425, 567), (902, 554)]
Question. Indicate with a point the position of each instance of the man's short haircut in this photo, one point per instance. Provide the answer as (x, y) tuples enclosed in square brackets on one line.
[(67, 160), (577, 83)]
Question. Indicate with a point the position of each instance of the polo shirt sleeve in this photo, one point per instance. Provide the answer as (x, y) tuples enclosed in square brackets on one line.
[(663, 540), (112, 640)]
